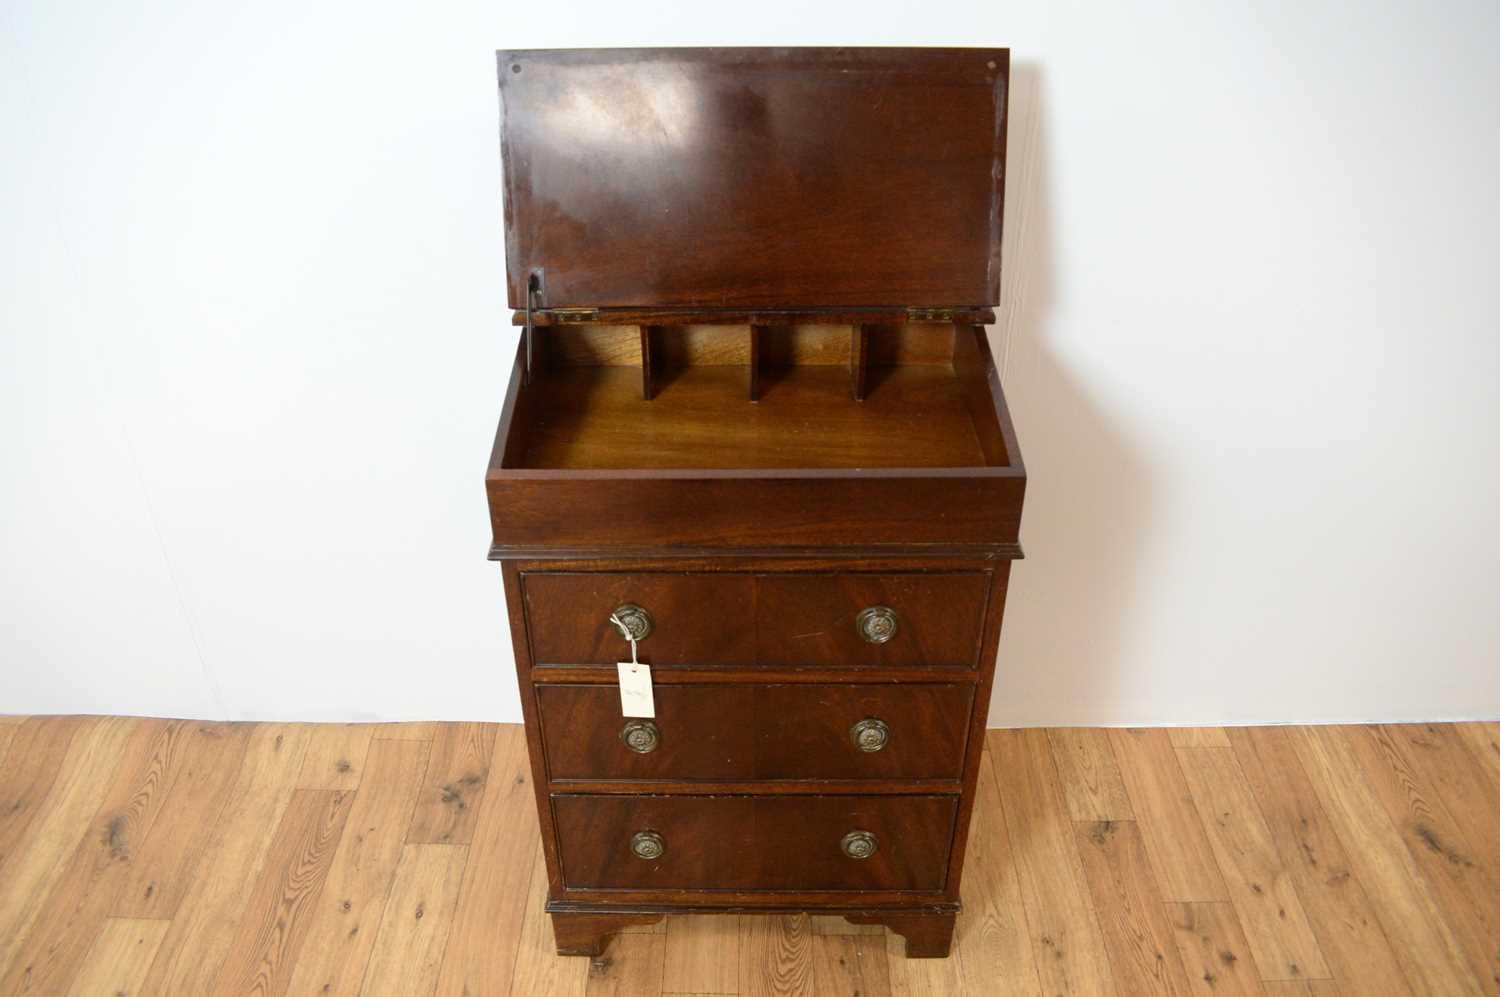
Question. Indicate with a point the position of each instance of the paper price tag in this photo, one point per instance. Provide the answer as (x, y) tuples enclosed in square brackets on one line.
[(635, 690)]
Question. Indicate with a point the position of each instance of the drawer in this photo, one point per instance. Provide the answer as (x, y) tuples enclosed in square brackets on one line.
[(695, 618), (850, 619), (820, 619), (752, 843), (730, 733)]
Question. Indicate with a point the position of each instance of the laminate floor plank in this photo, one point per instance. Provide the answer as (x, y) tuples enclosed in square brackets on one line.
[(851, 964), (1089, 775), (776, 956), (342, 925), (163, 867), (1302, 988), (1069, 948), (1483, 742), (1429, 952), (702, 954), (1341, 912), (68, 916), (207, 920), (1180, 853), (539, 970), (921, 977), (492, 904), (407, 953), (457, 773), (285, 894), (633, 965), (38, 747), (1261, 889), (1198, 737), (993, 940), (1461, 783), (1213, 949), (120, 956), (336, 756), (1381, 833), (1465, 887), (1143, 954)]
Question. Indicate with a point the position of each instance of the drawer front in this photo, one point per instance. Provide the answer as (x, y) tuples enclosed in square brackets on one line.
[(695, 618), (841, 620), (730, 733), (817, 619), (750, 843)]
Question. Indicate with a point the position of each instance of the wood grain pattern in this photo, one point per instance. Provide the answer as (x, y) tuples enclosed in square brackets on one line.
[(592, 418), (1337, 905), (162, 869), (1430, 954), (483, 942), (342, 924), (1070, 954), (63, 925), (1198, 737), (1457, 877), (754, 843), (787, 732), (37, 748), (1213, 949), (274, 924), (206, 924), (457, 774), (633, 965), (994, 938), (1143, 955), (1264, 895), (1336, 804), (408, 950), (1437, 754), (539, 969), (120, 956), (850, 964), (702, 954), (876, 178), (775, 956), (1088, 774), (1180, 853), (336, 756)]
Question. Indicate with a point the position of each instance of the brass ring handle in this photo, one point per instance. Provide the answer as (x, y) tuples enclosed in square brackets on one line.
[(641, 736), (859, 844), (633, 622), (647, 845), (870, 734), (876, 624)]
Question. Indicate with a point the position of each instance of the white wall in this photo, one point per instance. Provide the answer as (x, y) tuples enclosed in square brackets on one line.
[(254, 344)]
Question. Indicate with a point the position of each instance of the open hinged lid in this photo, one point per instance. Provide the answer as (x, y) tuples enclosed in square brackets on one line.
[(770, 178)]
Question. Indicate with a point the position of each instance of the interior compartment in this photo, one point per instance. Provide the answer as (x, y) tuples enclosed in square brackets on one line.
[(756, 396)]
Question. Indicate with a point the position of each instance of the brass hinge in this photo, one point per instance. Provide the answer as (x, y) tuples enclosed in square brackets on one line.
[(929, 315), (567, 316)]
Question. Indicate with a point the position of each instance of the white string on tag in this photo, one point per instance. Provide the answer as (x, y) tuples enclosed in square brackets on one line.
[(628, 636)]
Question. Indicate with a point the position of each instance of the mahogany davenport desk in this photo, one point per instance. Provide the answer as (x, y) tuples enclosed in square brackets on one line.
[(754, 423)]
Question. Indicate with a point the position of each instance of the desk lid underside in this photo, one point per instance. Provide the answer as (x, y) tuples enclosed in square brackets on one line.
[(754, 178)]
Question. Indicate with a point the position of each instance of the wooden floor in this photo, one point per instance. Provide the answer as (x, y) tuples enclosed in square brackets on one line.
[(168, 857)]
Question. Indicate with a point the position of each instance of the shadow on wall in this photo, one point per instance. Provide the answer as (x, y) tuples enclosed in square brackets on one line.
[(1088, 499)]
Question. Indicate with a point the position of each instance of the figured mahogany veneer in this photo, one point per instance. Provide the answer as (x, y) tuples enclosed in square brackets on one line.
[(769, 843), (777, 732), (754, 398), (706, 618)]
